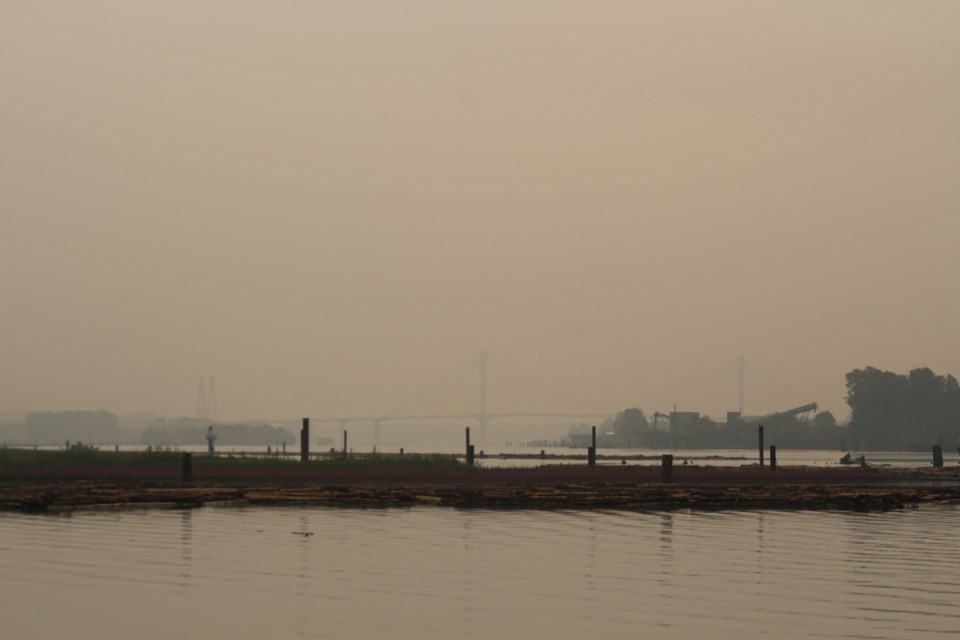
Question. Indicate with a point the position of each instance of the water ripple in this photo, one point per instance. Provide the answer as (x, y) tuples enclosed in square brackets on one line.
[(425, 572)]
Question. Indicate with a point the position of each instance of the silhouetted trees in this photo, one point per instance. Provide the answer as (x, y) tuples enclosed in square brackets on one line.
[(902, 412), (629, 426), (193, 431), (54, 427)]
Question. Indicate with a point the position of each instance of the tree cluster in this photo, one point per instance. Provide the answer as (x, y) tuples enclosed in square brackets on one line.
[(193, 431), (55, 427), (902, 412)]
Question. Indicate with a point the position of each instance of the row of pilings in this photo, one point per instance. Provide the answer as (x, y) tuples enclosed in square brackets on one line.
[(666, 461)]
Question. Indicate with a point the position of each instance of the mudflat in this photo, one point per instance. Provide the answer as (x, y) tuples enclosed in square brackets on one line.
[(547, 487)]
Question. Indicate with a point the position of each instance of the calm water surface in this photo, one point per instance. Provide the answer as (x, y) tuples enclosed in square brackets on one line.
[(442, 573)]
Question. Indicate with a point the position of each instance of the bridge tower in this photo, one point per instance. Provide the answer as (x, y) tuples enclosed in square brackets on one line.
[(741, 375), (483, 398)]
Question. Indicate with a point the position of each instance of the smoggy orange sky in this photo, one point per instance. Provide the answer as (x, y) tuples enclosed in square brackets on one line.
[(330, 206)]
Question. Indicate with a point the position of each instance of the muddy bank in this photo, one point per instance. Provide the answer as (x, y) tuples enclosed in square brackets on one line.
[(543, 488)]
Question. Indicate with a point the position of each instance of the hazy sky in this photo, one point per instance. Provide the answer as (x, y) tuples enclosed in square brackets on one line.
[(331, 205)]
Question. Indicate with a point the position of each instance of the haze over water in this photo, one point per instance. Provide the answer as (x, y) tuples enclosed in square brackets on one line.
[(332, 205)]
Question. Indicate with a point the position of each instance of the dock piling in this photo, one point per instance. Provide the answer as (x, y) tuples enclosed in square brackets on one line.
[(186, 470), (592, 450), (305, 440), (666, 467), (773, 457), (937, 456), (469, 449), (760, 433)]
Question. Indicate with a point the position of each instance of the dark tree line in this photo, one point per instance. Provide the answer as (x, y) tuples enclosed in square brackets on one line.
[(902, 412), (193, 431), (54, 427)]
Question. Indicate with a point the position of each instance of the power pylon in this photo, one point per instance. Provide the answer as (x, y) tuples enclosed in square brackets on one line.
[(202, 399), (212, 401), (207, 399)]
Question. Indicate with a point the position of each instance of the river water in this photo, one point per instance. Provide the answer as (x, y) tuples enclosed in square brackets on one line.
[(431, 572)]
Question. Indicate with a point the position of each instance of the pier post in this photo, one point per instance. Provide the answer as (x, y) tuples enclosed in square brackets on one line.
[(344, 443), (305, 440), (937, 456), (592, 451), (666, 467), (186, 470), (761, 447), (773, 457), (469, 449)]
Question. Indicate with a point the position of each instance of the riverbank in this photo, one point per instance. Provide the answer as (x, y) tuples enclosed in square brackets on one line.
[(549, 487)]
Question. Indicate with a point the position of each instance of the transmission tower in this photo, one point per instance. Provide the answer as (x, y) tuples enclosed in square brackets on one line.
[(202, 399), (207, 399), (741, 377), (211, 401), (483, 398)]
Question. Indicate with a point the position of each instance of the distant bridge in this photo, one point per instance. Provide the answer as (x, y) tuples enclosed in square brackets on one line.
[(482, 417)]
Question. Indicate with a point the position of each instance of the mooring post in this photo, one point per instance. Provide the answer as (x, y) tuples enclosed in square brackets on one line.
[(469, 448), (401, 452), (592, 450), (186, 471), (773, 457), (666, 467), (305, 440), (344, 443), (937, 456), (761, 447)]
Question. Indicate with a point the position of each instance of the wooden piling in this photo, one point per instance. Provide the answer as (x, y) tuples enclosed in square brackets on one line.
[(186, 470), (937, 456), (305, 440), (592, 450), (469, 448), (760, 433), (344, 443), (666, 467), (773, 457)]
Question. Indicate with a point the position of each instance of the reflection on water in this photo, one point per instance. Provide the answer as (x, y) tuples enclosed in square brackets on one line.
[(440, 573)]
